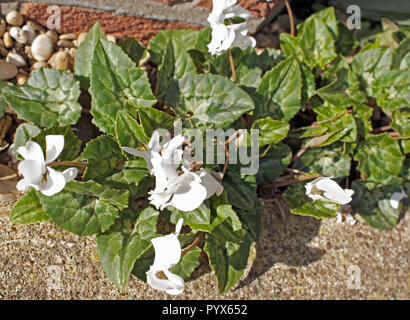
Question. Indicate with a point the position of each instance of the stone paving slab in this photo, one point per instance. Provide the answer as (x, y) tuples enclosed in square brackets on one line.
[(296, 258)]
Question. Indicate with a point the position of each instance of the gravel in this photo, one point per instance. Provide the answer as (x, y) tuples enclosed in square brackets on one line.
[(296, 258)]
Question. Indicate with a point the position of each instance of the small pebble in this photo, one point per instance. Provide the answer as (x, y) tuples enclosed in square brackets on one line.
[(39, 64), (65, 44), (73, 52), (111, 38), (35, 26), (68, 36), (42, 47), (3, 52), (16, 59), (19, 35), (8, 40), (21, 79), (81, 37), (63, 61), (7, 70), (27, 52), (2, 26), (53, 35), (30, 32), (14, 18)]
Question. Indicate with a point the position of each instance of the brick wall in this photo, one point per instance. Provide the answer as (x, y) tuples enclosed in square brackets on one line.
[(140, 19)]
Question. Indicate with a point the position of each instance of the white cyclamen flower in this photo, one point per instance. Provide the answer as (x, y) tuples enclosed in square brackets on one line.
[(167, 254), (328, 190), (185, 191), (225, 37), (35, 171), (226, 9)]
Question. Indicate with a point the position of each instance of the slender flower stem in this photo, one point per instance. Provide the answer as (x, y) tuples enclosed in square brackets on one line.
[(235, 80), (225, 145), (381, 129), (332, 118), (191, 246), (291, 18), (296, 180), (69, 163)]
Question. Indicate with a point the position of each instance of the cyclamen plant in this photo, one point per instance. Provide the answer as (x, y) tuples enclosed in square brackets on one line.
[(313, 107)]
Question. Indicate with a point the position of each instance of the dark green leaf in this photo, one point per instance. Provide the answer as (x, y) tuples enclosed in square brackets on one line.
[(85, 54), (227, 259), (158, 45), (85, 208), (116, 84), (152, 119), (331, 161), (270, 131), (104, 158), (374, 205), (280, 91), (175, 64), (129, 132), (401, 123), (380, 158), (188, 263), (49, 98), (317, 42), (132, 47), (273, 164), (318, 209), (28, 210), (210, 101)]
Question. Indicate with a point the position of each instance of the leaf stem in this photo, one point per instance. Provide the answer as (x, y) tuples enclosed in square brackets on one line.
[(296, 180), (69, 163), (225, 145), (235, 80), (191, 246), (291, 18), (315, 124)]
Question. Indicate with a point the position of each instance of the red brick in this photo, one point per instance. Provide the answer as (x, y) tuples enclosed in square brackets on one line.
[(76, 20), (259, 8)]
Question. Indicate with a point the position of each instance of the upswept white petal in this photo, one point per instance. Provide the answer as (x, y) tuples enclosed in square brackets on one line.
[(54, 184), (32, 171), (54, 147), (164, 173), (70, 174), (167, 254), (237, 11), (212, 185), (172, 284), (167, 251), (242, 40), (146, 155), (222, 38), (172, 151), (32, 151), (328, 190), (188, 197), (154, 144), (178, 226), (225, 37)]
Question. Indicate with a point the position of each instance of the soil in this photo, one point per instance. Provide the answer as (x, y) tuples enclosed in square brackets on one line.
[(295, 258)]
